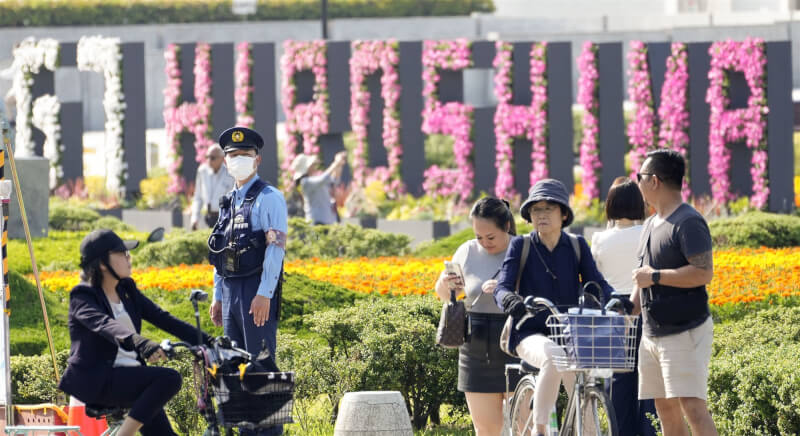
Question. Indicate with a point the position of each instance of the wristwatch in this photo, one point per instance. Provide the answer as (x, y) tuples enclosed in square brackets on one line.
[(655, 276)]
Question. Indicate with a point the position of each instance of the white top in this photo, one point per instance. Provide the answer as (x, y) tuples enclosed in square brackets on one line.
[(209, 187), (614, 252), (124, 357), (478, 266)]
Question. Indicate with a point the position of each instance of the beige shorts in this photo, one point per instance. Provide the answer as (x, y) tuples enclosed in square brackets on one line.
[(676, 366)]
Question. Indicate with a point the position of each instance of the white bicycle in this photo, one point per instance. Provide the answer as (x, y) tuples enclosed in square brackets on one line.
[(596, 344)]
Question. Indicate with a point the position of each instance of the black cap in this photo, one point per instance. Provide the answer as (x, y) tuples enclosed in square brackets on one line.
[(101, 242), (240, 138)]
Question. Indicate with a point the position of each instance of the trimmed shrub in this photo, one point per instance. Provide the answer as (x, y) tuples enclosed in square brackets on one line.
[(70, 217), (754, 383), (33, 380), (306, 241), (178, 248), (111, 223), (303, 296), (756, 229), (18, 13), (379, 344)]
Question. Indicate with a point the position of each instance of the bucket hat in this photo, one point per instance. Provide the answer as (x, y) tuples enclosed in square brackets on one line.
[(547, 190), (301, 164)]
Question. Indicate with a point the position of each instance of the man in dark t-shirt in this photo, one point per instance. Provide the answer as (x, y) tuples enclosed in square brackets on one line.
[(676, 264)]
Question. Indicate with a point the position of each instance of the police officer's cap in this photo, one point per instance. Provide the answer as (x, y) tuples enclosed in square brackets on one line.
[(240, 138)]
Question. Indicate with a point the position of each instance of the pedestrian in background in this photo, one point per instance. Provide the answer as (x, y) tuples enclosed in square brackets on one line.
[(318, 202), (211, 183), (614, 252)]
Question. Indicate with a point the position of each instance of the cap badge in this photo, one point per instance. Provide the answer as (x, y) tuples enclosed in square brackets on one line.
[(237, 136)]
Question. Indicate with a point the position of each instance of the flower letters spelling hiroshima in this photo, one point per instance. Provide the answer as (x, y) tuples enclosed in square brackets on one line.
[(103, 55), (513, 121), (182, 116), (587, 96), (308, 120), (451, 118), (749, 123), (369, 57)]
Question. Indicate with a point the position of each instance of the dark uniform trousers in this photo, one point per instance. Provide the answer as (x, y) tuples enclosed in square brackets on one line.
[(237, 295)]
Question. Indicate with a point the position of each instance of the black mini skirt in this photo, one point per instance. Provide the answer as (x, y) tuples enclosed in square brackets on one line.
[(481, 362)]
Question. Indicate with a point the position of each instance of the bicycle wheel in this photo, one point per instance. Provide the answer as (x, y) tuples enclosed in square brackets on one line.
[(598, 414), (522, 408)]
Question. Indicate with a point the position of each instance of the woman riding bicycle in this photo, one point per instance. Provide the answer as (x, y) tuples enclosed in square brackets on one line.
[(555, 267), (106, 365)]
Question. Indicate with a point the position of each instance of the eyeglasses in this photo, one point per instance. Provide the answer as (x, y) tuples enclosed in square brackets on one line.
[(544, 210), (213, 157), (125, 253), (639, 176)]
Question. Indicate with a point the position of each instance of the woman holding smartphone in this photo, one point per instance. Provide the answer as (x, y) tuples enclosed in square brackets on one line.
[(481, 363)]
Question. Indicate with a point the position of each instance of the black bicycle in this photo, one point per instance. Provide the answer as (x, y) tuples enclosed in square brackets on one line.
[(235, 388)]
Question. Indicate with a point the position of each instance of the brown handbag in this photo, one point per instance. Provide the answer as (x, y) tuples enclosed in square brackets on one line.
[(508, 327), (452, 329)]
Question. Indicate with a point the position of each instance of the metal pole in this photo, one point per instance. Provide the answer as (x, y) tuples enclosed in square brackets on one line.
[(5, 198), (324, 19), (24, 216)]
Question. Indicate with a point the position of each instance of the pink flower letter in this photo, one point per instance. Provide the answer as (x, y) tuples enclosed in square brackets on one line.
[(727, 126)]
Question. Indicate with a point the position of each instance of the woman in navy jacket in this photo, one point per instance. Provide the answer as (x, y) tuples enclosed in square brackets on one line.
[(555, 269), (107, 361)]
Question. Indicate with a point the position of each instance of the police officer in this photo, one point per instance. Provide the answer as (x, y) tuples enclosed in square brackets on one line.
[(246, 247)]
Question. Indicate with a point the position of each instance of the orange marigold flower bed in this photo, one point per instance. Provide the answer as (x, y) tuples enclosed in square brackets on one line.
[(740, 275)]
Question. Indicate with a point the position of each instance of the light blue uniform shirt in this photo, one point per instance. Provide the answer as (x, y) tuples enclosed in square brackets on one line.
[(268, 212)]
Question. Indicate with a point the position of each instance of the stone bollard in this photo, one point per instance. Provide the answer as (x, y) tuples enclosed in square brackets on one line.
[(379, 413)]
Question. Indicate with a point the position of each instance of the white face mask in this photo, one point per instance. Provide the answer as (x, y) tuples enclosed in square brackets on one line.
[(241, 167)]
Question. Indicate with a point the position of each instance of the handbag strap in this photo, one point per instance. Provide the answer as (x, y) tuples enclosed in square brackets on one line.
[(526, 248)]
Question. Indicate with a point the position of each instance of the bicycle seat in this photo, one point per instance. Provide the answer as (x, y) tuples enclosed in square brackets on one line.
[(527, 368), (97, 411)]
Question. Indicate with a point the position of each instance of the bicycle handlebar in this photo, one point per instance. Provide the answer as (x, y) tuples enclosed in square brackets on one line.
[(222, 344), (540, 304)]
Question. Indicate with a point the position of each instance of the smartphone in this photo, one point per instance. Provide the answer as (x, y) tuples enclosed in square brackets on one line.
[(454, 270)]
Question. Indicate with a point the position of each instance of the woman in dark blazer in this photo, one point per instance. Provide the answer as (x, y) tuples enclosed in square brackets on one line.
[(107, 361)]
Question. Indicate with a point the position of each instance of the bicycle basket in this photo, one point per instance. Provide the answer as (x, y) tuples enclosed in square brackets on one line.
[(594, 340), (256, 400)]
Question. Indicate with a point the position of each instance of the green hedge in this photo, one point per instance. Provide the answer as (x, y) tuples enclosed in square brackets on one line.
[(754, 384), (18, 13), (306, 241), (447, 246), (756, 229), (379, 344)]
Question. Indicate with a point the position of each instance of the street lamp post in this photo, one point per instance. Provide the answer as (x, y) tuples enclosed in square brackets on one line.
[(324, 19)]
